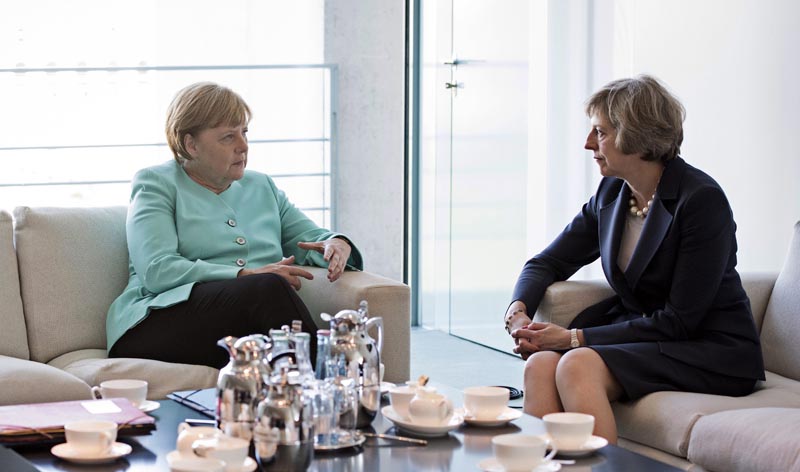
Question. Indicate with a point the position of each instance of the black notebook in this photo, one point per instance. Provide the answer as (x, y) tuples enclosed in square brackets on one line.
[(203, 401), (13, 462)]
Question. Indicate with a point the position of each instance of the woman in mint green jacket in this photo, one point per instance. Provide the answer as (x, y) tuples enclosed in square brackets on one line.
[(215, 250)]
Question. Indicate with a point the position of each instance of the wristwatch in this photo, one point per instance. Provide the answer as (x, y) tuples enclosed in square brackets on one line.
[(573, 338)]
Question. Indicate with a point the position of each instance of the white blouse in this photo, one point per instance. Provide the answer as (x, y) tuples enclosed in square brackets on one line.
[(630, 237)]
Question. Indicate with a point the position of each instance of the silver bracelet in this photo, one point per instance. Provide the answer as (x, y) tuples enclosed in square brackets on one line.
[(509, 317)]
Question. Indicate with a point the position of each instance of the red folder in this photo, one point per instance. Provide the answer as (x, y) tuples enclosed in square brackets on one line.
[(44, 422)]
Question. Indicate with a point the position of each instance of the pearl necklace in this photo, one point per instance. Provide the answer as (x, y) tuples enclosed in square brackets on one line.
[(643, 212)]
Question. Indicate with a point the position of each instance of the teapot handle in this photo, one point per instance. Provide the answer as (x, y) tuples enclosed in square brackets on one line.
[(448, 407), (377, 321)]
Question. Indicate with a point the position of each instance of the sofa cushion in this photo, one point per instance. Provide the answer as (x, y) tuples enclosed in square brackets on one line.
[(91, 366), (758, 286), (664, 420), (74, 263), (748, 440), (25, 381), (564, 300), (781, 327), (13, 337)]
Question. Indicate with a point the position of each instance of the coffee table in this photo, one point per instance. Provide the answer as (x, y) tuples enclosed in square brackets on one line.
[(460, 450)]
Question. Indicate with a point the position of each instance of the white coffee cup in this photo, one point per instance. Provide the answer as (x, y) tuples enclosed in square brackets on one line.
[(485, 403), (90, 437), (400, 397), (518, 452), (232, 451), (134, 390), (196, 464), (569, 430)]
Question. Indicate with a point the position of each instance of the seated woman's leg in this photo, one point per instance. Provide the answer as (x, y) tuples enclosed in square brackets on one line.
[(541, 395), (586, 385), (188, 332)]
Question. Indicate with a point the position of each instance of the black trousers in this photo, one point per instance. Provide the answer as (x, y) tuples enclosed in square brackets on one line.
[(188, 332)]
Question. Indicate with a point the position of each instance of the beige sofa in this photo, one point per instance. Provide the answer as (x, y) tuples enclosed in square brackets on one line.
[(759, 432), (60, 269)]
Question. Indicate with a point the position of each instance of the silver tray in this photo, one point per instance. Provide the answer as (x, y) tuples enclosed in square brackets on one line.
[(344, 440)]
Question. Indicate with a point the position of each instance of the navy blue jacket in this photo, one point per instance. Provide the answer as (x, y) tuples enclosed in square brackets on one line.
[(680, 289)]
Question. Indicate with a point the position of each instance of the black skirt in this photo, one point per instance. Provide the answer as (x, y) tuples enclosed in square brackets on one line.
[(641, 368)]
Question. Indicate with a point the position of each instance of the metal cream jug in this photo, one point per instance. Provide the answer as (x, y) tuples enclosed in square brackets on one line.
[(284, 429), (358, 356), (240, 385)]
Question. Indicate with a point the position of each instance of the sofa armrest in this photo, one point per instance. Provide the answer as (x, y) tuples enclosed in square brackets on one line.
[(389, 299), (564, 300), (758, 286)]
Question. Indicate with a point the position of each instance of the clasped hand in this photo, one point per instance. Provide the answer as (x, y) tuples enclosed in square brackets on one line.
[(535, 337)]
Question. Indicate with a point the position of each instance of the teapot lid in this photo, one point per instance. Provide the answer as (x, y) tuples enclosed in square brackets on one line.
[(347, 320), (428, 392), (251, 347)]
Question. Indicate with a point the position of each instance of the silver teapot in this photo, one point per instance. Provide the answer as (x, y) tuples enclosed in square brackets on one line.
[(358, 357), (284, 429), (240, 385)]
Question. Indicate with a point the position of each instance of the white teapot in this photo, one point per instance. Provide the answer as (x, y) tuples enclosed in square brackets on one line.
[(210, 442), (189, 435), (430, 408)]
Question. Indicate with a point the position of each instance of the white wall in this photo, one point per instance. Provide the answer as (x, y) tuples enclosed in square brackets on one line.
[(367, 41), (735, 65)]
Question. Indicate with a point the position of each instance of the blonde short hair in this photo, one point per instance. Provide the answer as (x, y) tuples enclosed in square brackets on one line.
[(202, 106), (648, 119)]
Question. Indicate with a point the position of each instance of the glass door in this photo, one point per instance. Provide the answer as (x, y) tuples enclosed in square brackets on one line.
[(489, 162), (474, 153)]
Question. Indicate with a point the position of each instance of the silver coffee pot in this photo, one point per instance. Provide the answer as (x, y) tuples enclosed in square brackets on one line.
[(358, 357), (284, 429), (240, 385)]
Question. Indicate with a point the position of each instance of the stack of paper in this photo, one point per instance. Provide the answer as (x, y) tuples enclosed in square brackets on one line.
[(44, 422)]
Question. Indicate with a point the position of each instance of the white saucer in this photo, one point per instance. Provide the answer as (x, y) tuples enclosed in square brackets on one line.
[(423, 430), (66, 452), (249, 464), (591, 445), (386, 386), (345, 440), (491, 464), (149, 405), (509, 414)]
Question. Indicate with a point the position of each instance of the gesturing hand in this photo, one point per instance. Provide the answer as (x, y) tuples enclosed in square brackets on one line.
[(283, 268), (335, 251)]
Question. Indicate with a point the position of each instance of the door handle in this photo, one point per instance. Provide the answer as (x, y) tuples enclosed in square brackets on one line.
[(453, 85)]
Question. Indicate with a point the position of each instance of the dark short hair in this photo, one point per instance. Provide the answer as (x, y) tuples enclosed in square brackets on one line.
[(202, 106), (648, 119)]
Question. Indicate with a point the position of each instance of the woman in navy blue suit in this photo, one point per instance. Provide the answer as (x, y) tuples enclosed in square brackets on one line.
[(664, 231)]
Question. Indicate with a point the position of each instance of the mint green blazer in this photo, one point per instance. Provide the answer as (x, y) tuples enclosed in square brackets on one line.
[(180, 233)]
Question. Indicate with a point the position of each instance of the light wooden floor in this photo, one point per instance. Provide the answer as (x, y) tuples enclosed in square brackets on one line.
[(460, 363)]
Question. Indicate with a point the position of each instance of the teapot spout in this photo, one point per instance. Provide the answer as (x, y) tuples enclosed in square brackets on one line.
[(228, 343)]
